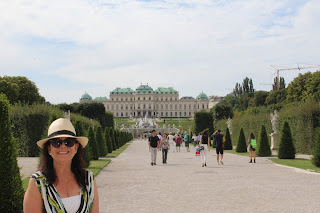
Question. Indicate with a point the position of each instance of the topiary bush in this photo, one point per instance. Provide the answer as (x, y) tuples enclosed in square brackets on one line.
[(316, 150), (111, 134), (93, 144), (286, 147), (108, 140), (101, 142), (241, 145), (263, 147), (228, 143), (11, 193)]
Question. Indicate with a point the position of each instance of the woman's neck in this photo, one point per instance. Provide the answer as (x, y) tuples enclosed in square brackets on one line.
[(62, 169)]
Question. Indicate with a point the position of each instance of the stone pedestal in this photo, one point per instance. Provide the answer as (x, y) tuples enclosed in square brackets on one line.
[(274, 139)]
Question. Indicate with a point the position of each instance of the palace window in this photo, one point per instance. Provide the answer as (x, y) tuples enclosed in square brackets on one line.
[(170, 114), (138, 98), (166, 114), (112, 107), (117, 114), (149, 98), (161, 114), (190, 114), (189, 106), (202, 106), (176, 114), (185, 106), (176, 106), (185, 113), (144, 98), (121, 99), (144, 106), (121, 106), (180, 114)]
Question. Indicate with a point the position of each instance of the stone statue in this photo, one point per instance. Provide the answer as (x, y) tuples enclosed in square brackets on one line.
[(274, 136), (164, 126), (229, 123)]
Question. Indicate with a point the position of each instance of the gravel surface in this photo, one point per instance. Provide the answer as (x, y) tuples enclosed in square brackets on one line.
[(28, 165), (130, 184)]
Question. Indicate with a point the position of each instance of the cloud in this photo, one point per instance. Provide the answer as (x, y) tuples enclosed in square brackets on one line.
[(191, 45)]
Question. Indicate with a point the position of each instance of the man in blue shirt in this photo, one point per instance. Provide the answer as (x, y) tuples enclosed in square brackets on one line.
[(219, 140)]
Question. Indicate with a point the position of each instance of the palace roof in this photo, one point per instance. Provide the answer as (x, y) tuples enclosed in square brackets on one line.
[(202, 96), (119, 90), (86, 96), (169, 90), (144, 89)]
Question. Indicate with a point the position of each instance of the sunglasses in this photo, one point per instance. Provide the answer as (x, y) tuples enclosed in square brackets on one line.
[(57, 142)]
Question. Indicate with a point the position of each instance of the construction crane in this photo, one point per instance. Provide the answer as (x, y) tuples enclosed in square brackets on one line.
[(294, 68)]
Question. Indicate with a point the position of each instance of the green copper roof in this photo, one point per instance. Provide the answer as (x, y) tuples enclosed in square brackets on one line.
[(86, 96), (202, 96), (144, 89), (100, 99), (169, 90), (119, 90)]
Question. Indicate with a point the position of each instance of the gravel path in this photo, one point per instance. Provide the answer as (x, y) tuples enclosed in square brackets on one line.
[(130, 184), (28, 165)]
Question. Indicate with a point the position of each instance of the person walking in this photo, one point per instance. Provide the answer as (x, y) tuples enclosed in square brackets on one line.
[(153, 145), (165, 146), (160, 138), (63, 184), (219, 139), (195, 140), (186, 141), (252, 147), (171, 142), (199, 136), (204, 147), (178, 141)]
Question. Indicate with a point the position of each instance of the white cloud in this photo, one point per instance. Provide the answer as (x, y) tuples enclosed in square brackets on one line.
[(192, 45)]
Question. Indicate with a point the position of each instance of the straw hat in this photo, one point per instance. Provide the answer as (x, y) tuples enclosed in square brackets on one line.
[(62, 128)]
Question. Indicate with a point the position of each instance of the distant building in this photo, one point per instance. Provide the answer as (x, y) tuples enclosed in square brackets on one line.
[(213, 100), (162, 102)]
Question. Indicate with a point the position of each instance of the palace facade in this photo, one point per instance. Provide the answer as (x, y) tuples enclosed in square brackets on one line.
[(162, 102)]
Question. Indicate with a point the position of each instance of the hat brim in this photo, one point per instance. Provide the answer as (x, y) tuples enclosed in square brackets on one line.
[(82, 140)]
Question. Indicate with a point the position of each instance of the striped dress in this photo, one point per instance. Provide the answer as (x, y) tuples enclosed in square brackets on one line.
[(52, 202)]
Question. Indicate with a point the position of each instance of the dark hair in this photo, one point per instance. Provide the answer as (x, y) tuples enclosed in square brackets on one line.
[(78, 166), (252, 136), (219, 130), (153, 131), (205, 133)]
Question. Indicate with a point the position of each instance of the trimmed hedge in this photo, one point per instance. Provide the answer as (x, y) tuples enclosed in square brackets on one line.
[(286, 147), (11, 194), (316, 150), (102, 146), (93, 144), (263, 147), (108, 139), (241, 145), (228, 143)]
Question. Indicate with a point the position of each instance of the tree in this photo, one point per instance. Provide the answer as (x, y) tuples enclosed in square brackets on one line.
[(203, 120), (228, 143), (297, 89), (10, 89), (222, 111), (232, 100), (275, 83), (286, 147), (27, 90), (316, 150), (108, 139), (102, 146), (276, 96), (11, 195), (93, 144), (87, 156), (259, 98), (263, 147), (111, 134), (242, 145)]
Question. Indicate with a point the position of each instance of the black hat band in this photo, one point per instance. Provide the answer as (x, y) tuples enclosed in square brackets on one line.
[(61, 132)]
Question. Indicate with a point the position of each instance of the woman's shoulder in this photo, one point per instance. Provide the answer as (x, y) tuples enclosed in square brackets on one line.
[(38, 176)]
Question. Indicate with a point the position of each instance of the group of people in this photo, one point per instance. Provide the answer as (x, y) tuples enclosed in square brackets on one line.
[(172, 142)]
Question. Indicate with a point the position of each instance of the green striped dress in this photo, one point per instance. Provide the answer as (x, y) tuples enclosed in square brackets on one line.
[(52, 202)]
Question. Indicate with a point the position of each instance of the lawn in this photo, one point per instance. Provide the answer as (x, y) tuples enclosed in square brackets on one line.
[(297, 163), (117, 152)]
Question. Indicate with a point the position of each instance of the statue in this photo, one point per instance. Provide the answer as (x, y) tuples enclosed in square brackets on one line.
[(164, 125), (274, 136), (229, 125)]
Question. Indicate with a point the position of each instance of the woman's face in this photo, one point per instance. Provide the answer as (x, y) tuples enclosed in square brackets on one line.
[(63, 153)]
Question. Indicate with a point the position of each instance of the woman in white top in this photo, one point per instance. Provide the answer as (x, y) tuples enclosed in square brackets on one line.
[(171, 142), (195, 139)]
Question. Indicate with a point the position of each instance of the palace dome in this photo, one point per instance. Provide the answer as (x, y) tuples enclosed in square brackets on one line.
[(86, 96), (144, 89), (202, 96)]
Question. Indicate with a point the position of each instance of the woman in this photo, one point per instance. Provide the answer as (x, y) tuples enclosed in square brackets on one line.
[(252, 147), (205, 143), (171, 142), (62, 184), (178, 141), (165, 146), (195, 139)]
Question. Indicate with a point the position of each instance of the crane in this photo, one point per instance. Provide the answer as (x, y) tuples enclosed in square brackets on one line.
[(277, 67)]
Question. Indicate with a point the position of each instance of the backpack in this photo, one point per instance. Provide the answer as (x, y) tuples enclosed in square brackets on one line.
[(254, 143)]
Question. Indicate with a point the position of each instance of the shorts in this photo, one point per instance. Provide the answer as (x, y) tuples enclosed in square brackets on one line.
[(219, 150), (252, 149), (187, 144), (178, 145)]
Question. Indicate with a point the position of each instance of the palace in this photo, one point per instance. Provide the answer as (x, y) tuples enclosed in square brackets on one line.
[(162, 102)]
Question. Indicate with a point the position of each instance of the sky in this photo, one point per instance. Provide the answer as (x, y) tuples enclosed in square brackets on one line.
[(69, 47)]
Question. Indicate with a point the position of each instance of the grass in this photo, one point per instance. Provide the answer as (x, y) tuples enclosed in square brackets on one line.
[(117, 152), (297, 163), (97, 165)]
